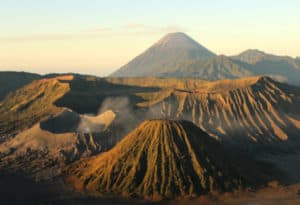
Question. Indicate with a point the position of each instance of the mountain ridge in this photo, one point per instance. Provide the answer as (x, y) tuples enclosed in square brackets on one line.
[(177, 55), (10, 81)]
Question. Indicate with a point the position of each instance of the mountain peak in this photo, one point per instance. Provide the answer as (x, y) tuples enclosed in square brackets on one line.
[(251, 56), (171, 50), (177, 40), (253, 51)]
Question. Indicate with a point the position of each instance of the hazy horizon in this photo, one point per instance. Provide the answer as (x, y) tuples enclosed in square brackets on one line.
[(98, 37)]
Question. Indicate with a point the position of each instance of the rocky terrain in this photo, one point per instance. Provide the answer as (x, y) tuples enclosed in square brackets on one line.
[(198, 137)]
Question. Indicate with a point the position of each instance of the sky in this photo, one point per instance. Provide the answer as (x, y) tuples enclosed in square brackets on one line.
[(99, 36)]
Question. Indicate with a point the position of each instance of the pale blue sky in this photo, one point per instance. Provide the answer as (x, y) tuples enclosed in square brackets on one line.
[(90, 36)]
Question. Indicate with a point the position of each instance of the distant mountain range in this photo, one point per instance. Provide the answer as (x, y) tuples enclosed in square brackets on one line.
[(177, 55)]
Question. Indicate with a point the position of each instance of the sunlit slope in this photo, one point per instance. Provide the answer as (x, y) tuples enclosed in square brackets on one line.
[(258, 109), (32, 103), (159, 159)]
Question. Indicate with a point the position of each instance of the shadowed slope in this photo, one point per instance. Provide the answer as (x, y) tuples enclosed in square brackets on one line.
[(159, 159)]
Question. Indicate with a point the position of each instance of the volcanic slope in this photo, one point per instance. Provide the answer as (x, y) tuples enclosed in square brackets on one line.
[(255, 109), (160, 159)]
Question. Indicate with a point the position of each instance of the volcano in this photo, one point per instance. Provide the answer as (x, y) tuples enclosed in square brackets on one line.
[(164, 56), (159, 159)]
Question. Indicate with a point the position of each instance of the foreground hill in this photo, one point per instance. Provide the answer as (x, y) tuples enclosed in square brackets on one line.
[(159, 159), (164, 56), (11, 81)]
